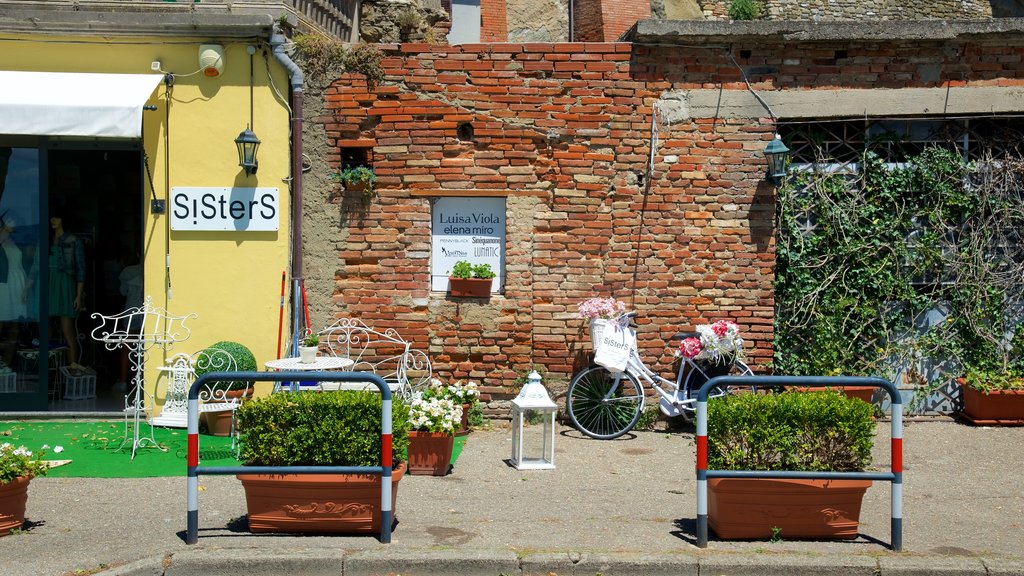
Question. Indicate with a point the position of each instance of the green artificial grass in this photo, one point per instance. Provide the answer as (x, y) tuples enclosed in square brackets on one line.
[(92, 448)]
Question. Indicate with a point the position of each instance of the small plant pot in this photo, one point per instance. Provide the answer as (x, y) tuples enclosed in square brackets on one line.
[(470, 287), (307, 354)]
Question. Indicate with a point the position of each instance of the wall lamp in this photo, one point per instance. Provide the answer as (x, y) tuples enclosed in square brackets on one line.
[(247, 142), (778, 159)]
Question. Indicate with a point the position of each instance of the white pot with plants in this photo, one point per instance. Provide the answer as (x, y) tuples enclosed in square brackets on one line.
[(309, 348)]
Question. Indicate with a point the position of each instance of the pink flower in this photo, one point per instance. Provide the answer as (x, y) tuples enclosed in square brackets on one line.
[(690, 347), (720, 328)]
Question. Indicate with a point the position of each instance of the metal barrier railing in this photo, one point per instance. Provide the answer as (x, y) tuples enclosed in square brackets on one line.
[(894, 476), (194, 470)]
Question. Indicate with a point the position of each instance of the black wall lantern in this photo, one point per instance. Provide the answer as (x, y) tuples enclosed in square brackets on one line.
[(247, 142), (778, 158)]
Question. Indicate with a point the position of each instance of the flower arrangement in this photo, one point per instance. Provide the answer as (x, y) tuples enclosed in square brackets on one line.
[(459, 392), (434, 414), (601, 308), (20, 461), (718, 343)]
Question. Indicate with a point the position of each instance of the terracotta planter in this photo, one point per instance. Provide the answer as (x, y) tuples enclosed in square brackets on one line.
[(470, 287), (337, 503), (998, 407), (430, 453), (13, 497), (749, 508)]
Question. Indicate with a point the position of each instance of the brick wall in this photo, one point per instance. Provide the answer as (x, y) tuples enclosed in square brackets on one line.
[(493, 25), (564, 130), (606, 20)]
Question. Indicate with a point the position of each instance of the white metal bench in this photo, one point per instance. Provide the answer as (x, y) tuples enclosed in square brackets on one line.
[(385, 354)]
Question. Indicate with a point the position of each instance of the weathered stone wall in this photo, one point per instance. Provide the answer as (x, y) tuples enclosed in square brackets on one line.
[(538, 20), (859, 9), (563, 132)]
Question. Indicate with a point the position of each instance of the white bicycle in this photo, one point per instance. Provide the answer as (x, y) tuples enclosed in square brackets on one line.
[(604, 404)]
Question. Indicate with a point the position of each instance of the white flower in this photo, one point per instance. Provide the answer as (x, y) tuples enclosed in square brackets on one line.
[(57, 449)]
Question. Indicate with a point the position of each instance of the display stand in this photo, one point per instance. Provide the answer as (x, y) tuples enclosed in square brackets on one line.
[(139, 330)]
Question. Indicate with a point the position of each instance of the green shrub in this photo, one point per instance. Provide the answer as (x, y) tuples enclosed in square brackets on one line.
[(806, 431), (483, 271), (244, 361), (319, 429), (745, 10)]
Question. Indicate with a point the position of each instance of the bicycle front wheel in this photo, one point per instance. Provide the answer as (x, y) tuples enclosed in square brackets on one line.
[(604, 405)]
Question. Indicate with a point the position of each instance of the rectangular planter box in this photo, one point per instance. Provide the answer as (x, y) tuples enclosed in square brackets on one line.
[(749, 508), (470, 287), (999, 407)]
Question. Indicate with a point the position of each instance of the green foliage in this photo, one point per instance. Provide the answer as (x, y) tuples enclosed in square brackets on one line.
[(805, 431), (244, 361), (311, 339), (862, 256), (648, 419), (17, 461), (483, 271), (319, 429), (462, 269), (355, 175), (320, 56), (745, 10), (476, 416)]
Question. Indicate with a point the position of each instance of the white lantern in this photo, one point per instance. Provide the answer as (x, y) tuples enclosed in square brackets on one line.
[(533, 453)]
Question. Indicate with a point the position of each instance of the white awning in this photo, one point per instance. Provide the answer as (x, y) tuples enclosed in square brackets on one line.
[(74, 103)]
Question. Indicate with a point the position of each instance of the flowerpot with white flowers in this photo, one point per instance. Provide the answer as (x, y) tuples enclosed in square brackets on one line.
[(18, 466), (433, 420)]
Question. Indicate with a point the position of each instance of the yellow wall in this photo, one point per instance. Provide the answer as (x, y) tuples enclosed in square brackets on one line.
[(230, 280)]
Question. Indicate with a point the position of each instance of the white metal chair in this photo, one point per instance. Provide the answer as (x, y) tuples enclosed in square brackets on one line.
[(385, 354), (214, 397)]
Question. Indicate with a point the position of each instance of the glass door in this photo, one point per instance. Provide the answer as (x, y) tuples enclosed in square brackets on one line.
[(25, 357)]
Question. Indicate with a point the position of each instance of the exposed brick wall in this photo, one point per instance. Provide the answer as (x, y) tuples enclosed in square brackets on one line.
[(606, 20), (493, 25), (565, 130)]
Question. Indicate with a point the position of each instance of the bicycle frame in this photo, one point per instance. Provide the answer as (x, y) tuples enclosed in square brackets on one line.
[(636, 367)]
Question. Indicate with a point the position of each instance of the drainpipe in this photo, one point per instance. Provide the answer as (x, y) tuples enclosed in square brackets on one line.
[(297, 78)]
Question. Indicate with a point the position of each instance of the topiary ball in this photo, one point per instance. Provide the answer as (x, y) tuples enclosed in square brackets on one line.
[(244, 361)]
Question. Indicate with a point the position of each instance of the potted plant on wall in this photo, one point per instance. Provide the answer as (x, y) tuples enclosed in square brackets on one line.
[(806, 431), (224, 356), (358, 178), (318, 429), (18, 466), (470, 281), (433, 420)]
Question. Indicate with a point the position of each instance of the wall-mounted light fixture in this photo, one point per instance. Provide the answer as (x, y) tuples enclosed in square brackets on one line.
[(247, 142), (778, 159), (211, 59)]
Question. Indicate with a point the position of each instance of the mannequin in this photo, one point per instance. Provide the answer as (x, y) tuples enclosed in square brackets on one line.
[(14, 290), (67, 282)]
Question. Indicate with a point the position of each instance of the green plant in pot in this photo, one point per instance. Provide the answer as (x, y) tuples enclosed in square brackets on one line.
[(470, 280), (795, 431), (318, 429), (309, 348), (358, 176), (992, 389), (242, 360), (18, 466)]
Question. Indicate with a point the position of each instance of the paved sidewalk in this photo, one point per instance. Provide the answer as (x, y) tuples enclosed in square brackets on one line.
[(624, 507)]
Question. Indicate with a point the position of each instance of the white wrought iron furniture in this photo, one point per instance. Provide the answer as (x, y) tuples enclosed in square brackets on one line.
[(385, 354), (140, 329), (321, 363), (604, 404), (214, 397)]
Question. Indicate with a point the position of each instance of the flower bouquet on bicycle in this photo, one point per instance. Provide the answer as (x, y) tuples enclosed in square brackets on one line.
[(606, 399)]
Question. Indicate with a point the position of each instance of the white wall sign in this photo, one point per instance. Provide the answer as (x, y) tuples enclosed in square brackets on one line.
[(471, 229), (224, 209)]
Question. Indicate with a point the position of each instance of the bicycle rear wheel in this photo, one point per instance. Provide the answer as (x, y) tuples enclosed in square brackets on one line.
[(603, 405)]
